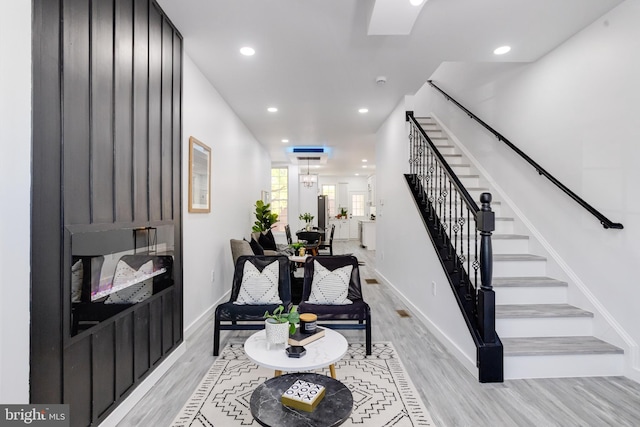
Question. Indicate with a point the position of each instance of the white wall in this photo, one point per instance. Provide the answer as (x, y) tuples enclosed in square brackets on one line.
[(404, 254), (15, 193), (240, 171), (575, 111)]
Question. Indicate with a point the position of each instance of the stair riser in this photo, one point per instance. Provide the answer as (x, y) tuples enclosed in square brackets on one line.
[(447, 149), (470, 182), (510, 246), (456, 160), (519, 268), (545, 327), (433, 133), (507, 246), (461, 170), (531, 295), (592, 365), (504, 227)]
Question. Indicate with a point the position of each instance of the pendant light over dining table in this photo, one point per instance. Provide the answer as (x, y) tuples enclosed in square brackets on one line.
[(308, 180)]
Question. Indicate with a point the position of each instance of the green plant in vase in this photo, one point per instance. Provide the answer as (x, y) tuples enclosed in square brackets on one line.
[(307, 218), (265, 219), (279, 316)]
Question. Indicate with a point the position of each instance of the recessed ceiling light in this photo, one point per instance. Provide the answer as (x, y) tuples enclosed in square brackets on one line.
[(502, 50), (416, 2), (272, 109), (364, 166), (364, 160), (247, 51), (363, 110), (316, 166), (285, 141), (357, 174)]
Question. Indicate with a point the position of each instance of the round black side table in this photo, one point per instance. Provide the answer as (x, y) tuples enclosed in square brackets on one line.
[(333, 410)]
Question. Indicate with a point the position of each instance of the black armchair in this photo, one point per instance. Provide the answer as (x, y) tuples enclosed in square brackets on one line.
[(324, 245), (229, 315), (350, 316)]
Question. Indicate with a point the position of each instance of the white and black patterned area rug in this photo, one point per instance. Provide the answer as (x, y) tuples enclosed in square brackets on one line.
[(383, 394)]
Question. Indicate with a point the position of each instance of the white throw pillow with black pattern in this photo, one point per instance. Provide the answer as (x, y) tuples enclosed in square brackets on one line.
[(330, 287), (259, 288), (132, 288)]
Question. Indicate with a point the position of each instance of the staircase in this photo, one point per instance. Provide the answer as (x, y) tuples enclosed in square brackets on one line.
[(543, 336)]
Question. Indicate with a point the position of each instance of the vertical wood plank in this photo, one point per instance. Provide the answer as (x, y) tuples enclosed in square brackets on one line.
[(155, 114), (103, 369), (77, 381), (155, 331), (101, 52), (177, 125), (177, 184), (167, 322), (140, 111), (46, 340), (124, 354), (123, 110), (141, 340), (167, 112), (76, 108)]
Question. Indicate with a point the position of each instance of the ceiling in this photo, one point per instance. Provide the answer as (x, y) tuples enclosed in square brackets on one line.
[(317, 61)]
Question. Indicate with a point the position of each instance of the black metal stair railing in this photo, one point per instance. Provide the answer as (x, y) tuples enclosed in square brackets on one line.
[(461, 234), (606, 222)]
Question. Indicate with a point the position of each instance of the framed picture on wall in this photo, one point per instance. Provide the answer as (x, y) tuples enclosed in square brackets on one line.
[(199, 176)]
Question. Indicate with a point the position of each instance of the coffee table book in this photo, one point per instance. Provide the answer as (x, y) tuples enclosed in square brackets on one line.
[(298, 338), (303, 395)]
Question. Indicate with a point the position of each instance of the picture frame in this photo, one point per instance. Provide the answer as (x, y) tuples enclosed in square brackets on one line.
[(199, 177)]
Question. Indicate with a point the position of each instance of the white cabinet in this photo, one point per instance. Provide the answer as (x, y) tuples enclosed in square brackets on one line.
[(368, 235), (342, 229)]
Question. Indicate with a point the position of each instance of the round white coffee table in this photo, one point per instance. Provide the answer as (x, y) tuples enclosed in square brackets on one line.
[(320, 353)]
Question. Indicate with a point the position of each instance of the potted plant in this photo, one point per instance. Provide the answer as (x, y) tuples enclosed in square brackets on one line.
[(307, 217), (279, 325), (296, 247), (265, 219)]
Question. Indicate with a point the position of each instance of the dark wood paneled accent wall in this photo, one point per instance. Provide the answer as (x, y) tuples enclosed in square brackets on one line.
[(107, 97)]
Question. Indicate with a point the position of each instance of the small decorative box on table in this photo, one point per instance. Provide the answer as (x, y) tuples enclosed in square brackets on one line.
[(303, 395)]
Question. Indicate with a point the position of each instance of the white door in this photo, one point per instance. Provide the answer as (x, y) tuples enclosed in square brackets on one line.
[(357, 212)]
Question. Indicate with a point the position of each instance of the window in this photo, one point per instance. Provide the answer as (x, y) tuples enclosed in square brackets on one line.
[(357, 204), (330, 191), (280, 196)]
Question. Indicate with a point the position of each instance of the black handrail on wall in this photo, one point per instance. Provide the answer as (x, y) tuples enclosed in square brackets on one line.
[(606, 222)]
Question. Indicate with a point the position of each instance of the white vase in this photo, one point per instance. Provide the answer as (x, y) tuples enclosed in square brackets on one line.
[(277, 333), (309, 227)]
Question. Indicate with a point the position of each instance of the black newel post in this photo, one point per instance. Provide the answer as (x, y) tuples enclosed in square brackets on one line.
[(486, 296)]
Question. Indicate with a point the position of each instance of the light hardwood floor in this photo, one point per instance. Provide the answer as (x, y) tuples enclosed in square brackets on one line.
[(450, 393)]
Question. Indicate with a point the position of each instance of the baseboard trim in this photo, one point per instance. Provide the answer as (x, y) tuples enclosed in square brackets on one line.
[(138, 393), (455, 350), (205, 316)]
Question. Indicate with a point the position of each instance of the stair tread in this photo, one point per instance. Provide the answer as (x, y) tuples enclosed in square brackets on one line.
[(551, 346), (517, 282), (515, 311), (518, 257)]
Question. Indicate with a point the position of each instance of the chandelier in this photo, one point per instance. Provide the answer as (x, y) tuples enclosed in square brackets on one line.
[(308, 180)]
